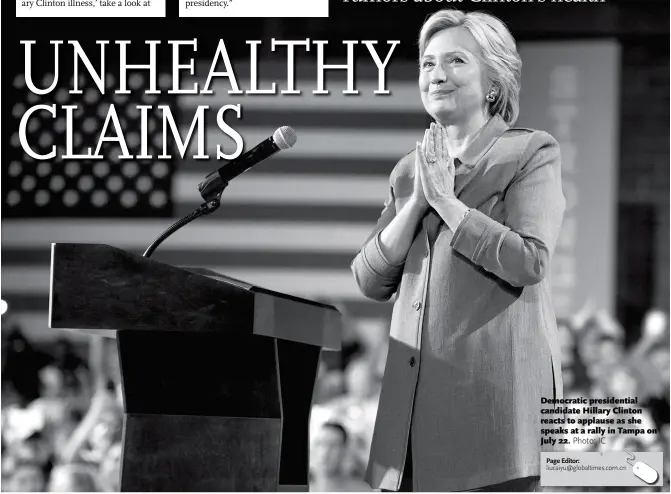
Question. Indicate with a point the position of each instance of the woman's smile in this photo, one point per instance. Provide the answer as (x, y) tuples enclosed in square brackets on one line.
[(441, 93)]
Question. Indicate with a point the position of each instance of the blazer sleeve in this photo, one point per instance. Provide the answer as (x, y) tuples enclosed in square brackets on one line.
[(519, 251), (377, 278)]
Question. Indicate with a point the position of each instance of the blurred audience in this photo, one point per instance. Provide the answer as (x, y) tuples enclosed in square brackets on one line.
[(62, 412), (72, 478), (23, 476), (67, 437)]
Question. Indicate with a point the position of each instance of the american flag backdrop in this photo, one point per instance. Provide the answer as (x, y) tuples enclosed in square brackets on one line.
[(293, 223)]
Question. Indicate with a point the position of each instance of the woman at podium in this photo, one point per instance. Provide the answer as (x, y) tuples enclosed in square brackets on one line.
[(465, 241)]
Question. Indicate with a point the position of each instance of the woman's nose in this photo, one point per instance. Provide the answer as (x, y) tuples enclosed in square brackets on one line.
[(438, 74)]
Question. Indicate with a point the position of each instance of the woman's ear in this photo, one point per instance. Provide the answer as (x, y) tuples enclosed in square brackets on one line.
[(492, 93)]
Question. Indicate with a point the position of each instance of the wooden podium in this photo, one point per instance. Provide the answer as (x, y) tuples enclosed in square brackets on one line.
[(217, 374)]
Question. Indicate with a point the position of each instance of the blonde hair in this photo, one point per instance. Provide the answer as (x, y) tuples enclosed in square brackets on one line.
[(498, 54)]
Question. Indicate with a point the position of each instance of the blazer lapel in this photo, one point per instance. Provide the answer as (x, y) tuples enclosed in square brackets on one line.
[(431, 223), (471, 159)]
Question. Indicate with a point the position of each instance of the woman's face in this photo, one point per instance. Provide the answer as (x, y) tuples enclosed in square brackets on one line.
[(451, 78)]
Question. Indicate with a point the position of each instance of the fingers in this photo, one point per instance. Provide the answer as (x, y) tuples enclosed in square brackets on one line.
[(419, 157), (420, 160), (443, 140), (441, 148), (451, 168), (420, 165), (431, 144), (418, 154), (439, 143), (425, 143)]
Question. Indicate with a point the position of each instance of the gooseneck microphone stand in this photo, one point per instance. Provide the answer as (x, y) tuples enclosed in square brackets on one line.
[(210, 190), (214, 184)]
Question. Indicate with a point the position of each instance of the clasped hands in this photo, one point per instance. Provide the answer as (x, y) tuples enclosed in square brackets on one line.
[(434, 178), (434, 170)]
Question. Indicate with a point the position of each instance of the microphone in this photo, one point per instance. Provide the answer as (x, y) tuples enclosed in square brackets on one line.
[(214, 183)]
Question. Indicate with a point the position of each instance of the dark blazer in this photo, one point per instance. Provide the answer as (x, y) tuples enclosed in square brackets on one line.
[(473, 343)]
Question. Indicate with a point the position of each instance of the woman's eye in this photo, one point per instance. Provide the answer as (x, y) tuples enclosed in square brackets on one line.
[(427, 63), (458, 60)]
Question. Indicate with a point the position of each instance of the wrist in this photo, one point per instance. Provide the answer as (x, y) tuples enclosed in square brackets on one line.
[(417, 206), (453, 211)]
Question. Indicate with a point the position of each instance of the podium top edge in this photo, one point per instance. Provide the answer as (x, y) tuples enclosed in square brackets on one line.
[(205, 272)]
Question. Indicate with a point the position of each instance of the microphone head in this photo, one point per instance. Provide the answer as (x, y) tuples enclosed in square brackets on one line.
[(285, 137)]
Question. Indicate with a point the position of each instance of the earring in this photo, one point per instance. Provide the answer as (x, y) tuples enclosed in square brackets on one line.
[(491, 97)]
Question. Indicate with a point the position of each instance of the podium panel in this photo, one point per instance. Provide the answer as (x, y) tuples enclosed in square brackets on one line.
[(184, 453), (217, 374)]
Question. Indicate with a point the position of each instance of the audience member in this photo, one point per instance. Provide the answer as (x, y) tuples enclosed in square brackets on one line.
[(328, 459)]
